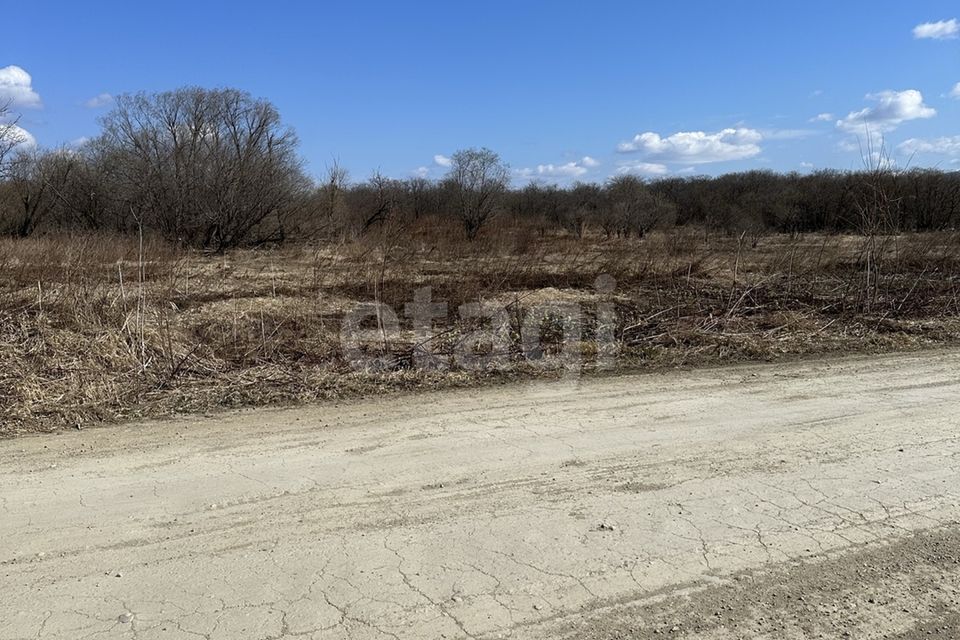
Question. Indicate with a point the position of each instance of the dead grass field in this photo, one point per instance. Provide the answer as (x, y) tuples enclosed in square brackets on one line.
[(96, 328)]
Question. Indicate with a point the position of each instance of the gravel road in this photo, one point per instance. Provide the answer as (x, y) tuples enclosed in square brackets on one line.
[(811, 499)]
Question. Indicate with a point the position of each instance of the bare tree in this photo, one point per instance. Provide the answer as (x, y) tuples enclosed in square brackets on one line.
[(213, 168), (32, 177), (333, 189), (583, 204), (634, 208), (82, 190), (10, 136), (477, 179), (417, 190), (376, 201)]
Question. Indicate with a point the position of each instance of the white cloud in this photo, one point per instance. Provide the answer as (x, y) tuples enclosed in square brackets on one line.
[(955, 92), (568, 170), (948, 146), (23, 138), (807, 165), (421, 172), (442, 160), (787, 134), (855, 144), (822, 117), (98, 101), (643, 169), (893, 108), (942, 30), (16, 87), (696, 147), (563, 171), (881, 160)]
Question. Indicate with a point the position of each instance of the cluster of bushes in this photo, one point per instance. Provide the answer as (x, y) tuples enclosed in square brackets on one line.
[(218, 168), (915, 200)]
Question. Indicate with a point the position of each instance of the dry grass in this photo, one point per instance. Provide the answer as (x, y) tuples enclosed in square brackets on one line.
[(97, 329)]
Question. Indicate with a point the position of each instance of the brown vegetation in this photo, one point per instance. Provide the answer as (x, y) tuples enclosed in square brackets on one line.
[(182, 261), (100, 328)]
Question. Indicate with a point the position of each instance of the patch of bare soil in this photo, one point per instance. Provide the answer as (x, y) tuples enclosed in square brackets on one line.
[(903, 590)]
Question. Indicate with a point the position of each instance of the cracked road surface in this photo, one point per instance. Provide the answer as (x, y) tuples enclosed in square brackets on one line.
[(769, 501)]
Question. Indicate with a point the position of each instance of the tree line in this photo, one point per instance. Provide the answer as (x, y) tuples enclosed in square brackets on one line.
[(218, 168)]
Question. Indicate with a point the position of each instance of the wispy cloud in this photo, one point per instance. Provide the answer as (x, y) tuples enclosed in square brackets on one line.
[(99, 101), (947, 145), (567, 170), (442, 160), (955, 92), (787, 134), (822, 117), (646, 169), (942, 30)]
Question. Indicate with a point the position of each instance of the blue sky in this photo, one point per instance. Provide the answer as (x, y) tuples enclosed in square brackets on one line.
[(562, 90)]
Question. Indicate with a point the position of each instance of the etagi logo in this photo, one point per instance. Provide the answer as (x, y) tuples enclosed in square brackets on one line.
[(558, 335)]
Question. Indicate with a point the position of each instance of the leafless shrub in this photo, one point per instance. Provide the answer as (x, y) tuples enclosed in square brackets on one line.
[(633, 208), (376, 202), (477, 180), (878, 217)]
